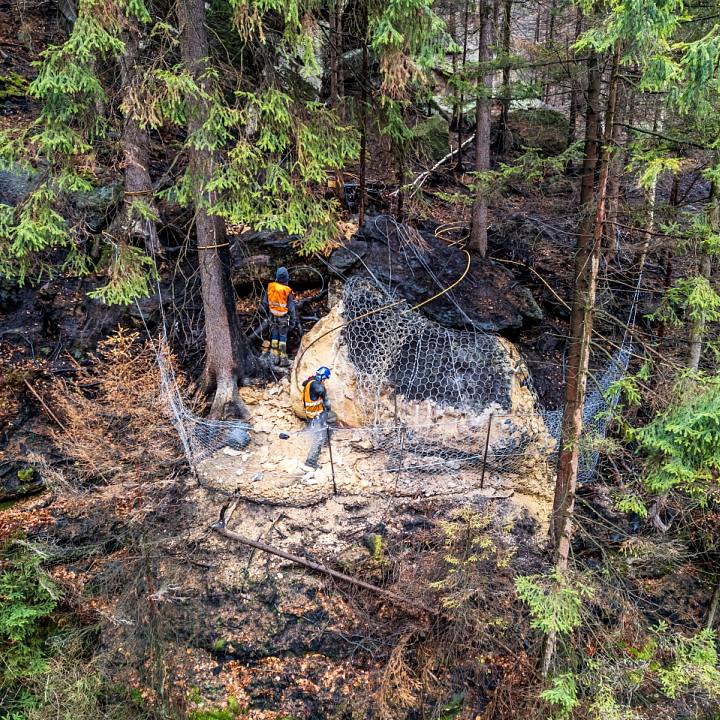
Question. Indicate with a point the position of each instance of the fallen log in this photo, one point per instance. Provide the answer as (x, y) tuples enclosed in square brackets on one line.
[(220, 528), (417, 183)]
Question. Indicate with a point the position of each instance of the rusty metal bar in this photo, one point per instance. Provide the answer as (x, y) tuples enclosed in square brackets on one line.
[(487, 444)]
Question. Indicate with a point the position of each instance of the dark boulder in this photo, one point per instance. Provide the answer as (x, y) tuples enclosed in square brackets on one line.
[(521, 237), (15, 184), (257, 255), (416, 265), (18, 481)]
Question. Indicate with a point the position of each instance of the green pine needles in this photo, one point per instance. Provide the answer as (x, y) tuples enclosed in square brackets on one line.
[(683, 442), (270, 149), (555, 601), (27, 601), (70, 89), (613, 678)]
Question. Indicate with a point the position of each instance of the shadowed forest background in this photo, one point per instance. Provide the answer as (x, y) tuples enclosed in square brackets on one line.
[(501, 217)]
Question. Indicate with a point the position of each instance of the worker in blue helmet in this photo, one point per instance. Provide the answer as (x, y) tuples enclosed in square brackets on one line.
[(280, 304), (317, 411)]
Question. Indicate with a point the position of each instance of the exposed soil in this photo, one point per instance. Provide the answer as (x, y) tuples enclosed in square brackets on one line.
[(271, 471)]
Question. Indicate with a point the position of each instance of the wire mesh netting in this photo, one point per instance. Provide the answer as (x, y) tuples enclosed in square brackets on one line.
[(435, 410), (394, 348), (199, 437)]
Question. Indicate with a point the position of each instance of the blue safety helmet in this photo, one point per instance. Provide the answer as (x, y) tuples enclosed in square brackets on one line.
[(322, 373), (282, 275)]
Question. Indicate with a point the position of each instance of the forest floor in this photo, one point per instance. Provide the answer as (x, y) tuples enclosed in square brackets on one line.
[(191, 619)]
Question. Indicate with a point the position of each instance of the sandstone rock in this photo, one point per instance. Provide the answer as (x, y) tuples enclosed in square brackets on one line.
[(290, 466), (322, 345), (519, 441)]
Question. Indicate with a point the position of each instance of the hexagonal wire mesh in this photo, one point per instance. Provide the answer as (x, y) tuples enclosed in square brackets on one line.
[(437, 402)]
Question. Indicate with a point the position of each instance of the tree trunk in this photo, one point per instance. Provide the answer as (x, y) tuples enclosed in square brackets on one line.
[(225, 355), (587, 262), (333, 56), (339, 75), (572, 121), (364, 80), (478, 228), (549, 37), (697, 329), (649, 197), (461, 119), (617, 164), (504, 132), (452, 31), (551, 22), (668, 270), (585, 278), (134, 142), (714, 603)]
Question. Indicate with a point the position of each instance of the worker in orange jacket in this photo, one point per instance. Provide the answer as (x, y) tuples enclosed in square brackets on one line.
[(318, 412), (280, 304)]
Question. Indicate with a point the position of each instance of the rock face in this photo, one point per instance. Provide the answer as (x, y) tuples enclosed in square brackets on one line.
[(14, 185), (361, 398), (416, 265), (423, 440), (323, 345), (326, 345), (431, 138)]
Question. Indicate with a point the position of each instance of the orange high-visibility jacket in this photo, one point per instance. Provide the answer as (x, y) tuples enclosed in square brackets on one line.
[(313, 408), (278, 298)]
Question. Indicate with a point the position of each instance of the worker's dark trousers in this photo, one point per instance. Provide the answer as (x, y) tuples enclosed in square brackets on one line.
[(279, 326), (319, 436)]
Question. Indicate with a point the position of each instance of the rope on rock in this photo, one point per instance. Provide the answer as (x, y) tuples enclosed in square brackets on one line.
[(427, 392)]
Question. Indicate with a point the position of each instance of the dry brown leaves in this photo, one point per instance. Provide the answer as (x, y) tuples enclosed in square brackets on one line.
[(116, 426), (22, 517)]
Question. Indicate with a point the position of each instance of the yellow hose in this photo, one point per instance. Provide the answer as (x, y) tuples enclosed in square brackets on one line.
[(385, 307)]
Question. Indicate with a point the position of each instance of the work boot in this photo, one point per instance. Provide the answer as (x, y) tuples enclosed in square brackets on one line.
[(284, 360)]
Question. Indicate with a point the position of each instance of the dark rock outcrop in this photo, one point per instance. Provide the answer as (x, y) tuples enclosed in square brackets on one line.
[(415, 267), (15, 184), (257, 255)]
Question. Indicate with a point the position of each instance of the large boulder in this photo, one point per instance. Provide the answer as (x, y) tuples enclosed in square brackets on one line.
[(415, 371), (256, 255), (15, 184), (323, 345), (432, 409), (539, 127), (431, 139)]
